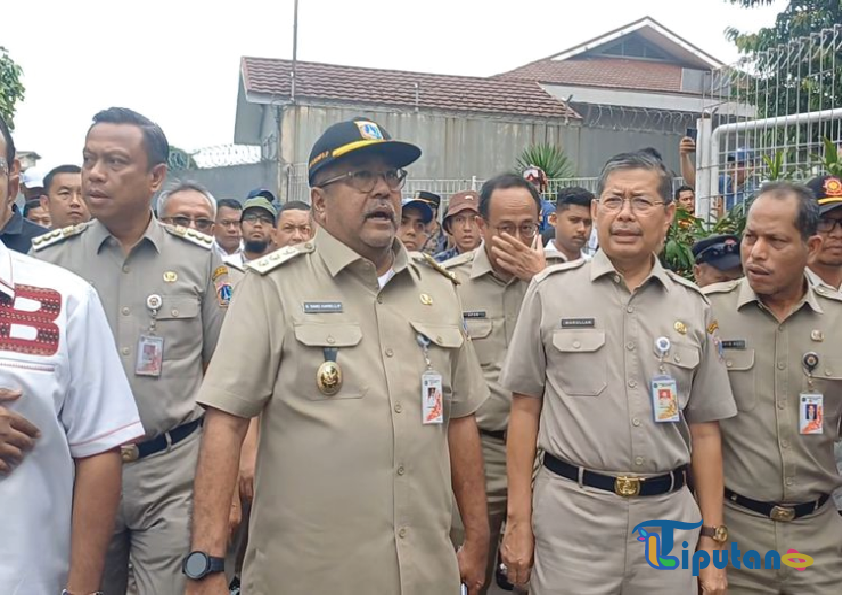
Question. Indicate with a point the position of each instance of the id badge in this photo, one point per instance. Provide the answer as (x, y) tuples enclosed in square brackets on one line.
[(811, 414), (150, 356), (665, 399), (431, 397)]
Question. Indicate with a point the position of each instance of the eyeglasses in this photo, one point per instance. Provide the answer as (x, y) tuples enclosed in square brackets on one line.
[(525, 230), (639, 205), (717, 251), (826, 226), (255, 217), (365, 180), (201, 223)]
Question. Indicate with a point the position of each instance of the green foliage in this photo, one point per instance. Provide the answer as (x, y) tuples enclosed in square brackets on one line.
[(830, 159), (11, 88), (181, 160), (551, 159)]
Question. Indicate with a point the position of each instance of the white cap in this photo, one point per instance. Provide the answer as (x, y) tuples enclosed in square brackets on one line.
[(33, 178)]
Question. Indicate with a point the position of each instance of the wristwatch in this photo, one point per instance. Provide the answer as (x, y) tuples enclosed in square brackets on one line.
[(718, 533), (198, 565)]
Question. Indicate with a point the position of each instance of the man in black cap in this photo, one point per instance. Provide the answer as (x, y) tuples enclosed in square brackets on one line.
[(365, 382), (436, 236), (717, 259), (826, 268)]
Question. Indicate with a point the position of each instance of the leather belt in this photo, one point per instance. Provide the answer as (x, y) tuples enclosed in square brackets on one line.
[(776, 511), (160, 443), (625, 486), (496, 434)]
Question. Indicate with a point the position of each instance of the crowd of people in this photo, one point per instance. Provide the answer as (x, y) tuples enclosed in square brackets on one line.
[(357, 396)]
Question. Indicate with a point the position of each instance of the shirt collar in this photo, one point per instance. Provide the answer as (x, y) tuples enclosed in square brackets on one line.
[(747, 296), (481, 264), (601, 266), (154, 233), (337, 255), (7, 283)]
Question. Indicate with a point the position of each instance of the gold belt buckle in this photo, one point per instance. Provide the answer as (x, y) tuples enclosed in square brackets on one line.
[(130, 453), (782, 514), (627, 486)]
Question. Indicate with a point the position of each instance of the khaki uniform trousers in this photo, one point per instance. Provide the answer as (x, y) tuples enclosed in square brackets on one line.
[(818, 535), (584, 542), (152, 530), (494, 456)]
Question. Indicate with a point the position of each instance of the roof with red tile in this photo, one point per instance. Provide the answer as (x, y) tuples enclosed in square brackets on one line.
[(370, 86)]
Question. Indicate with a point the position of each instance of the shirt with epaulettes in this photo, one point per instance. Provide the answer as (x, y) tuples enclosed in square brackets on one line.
[(492, 303), (174, 265), (589, 348), (356, 471), (765, 456)]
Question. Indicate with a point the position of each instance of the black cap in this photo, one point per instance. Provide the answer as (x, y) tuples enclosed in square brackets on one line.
[(431, 198), (261, 192), (356, 136), (721, 251), (828, 191)]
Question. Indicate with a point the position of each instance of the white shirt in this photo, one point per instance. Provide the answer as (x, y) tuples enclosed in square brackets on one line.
[(59, 350), (551, 246)]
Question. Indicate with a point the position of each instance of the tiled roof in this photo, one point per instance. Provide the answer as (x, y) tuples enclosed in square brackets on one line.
[(354, 84), (616, 73)]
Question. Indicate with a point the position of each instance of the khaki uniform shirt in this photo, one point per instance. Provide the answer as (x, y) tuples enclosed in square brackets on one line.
[(179, 266), (818, 281), (765, 457), (352, 491), (491, 305), (586, 346)]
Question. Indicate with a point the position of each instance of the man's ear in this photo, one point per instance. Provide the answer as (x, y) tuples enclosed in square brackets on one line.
[(318, 200), (14, 182), (552, 219)]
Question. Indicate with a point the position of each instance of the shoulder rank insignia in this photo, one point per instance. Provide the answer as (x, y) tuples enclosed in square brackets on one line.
[(56, 236), (275, 259), (197, 238), (565, 266), (826, 292), (683, 281), (433, 264), (722, 287), (460, 259)]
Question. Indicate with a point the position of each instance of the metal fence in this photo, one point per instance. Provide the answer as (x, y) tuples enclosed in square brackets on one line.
[(772, 117)]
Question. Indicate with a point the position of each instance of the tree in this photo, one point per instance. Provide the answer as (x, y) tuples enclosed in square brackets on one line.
[(181, 160), (552, 160), (11, 87)]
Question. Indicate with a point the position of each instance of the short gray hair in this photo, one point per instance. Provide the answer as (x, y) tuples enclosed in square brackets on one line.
[(638, 161), (180, 186)]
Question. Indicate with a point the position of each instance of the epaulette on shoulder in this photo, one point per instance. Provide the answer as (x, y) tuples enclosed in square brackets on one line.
[(190, 235), (433, 264), (235, 267), (722, 287), (828, 293), (566, 266), (275, 259), (683, 281), (57, 236), (460, 259)]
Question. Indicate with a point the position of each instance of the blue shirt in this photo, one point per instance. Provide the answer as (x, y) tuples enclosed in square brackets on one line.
[(447, 254), (546, 209), (734, 197)]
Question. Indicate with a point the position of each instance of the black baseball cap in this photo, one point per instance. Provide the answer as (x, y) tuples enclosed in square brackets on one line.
[(721, 251), (431, 198), (828, 192), (357, 136)]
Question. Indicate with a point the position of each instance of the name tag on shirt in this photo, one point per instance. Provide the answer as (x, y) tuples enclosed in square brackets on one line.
[(474, 314), (578, 323), (315, 307), (733, 344)]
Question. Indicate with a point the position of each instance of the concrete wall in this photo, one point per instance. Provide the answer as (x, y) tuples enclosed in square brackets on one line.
[(232, 182)]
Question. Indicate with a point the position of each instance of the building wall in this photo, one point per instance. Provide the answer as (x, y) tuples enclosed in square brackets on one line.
[(231, 182)]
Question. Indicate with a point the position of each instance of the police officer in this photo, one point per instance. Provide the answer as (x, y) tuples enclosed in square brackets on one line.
[(366, 387), (610, 361), (436, 237), (717, 259), (779, 337), (826, 267), (491, 297), (165, 292)]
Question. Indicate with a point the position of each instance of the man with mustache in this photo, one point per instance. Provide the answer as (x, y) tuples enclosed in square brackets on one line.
[(258, 223), (613, 371), (63, 197), (366, 386), (780, 339), (165, 292)]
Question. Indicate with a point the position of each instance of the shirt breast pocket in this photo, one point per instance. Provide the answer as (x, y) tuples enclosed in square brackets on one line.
[(445, 341), (481, 333), (827, 377), (578, 361), (681, 365), (179, 323), (315, 342), (741, 369)]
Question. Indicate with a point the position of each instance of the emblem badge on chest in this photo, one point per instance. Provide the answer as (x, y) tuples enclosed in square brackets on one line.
[(329, 375)]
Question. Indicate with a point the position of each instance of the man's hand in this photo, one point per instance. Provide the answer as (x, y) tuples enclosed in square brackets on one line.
[(517, 550), (518, 259), (472, 557), (17, 434), (686, 146), (216, 583), (711, 579)]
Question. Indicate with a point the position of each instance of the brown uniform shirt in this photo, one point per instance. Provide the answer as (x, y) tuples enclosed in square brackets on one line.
[(586, 346), (179, 266), (491, 305), (352, 491), (765, 457)]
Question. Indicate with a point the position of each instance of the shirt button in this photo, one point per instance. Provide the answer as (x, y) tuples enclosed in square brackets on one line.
[(639, 461), (789, 481), (175, 312), (629, 309), (400, 470), (331, 340), (126, 269), (729, 363), (630, 346), (632, 384), (781, 405), (389, 352), (577, 344), (398, 408), (125, 351), (636, 421), (780, 328), (677, 358), (402, 533), (616, 279), (785, 444), (379, 300), (126, 311), (781, 366)]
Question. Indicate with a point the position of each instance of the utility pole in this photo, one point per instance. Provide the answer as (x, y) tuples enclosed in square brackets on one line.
[(288, 170), (294, 49)]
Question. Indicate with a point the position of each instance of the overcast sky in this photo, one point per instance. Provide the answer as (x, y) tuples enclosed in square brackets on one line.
[(176, 61)]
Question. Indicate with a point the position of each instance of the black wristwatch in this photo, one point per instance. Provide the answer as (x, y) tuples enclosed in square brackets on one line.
[(198, 565)]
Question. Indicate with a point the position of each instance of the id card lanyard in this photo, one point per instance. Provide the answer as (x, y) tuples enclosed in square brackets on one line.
[(432, 411)]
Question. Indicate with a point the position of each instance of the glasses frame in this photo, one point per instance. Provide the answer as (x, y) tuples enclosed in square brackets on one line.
[(350, 177)]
